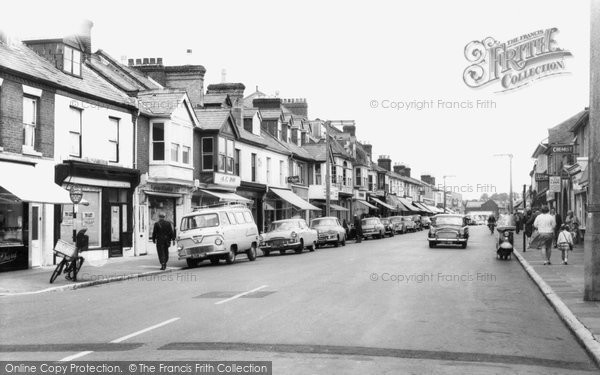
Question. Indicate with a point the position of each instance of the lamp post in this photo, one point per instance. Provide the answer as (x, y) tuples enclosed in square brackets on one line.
[(510, 198), (444, 192), (75, 194), (327, 172)]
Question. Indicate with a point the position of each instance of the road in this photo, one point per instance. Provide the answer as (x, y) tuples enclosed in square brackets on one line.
[(383, 306)]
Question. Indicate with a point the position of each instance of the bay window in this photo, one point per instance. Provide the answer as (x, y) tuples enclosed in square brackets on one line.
[(174, 152), (158, 141), (185, 155), (207, 154)]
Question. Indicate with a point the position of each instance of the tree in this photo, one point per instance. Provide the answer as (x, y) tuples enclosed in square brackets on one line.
[(484, 197)]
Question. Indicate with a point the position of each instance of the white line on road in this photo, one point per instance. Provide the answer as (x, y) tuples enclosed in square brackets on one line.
[(143, 331), (240, 295), (74, 356)]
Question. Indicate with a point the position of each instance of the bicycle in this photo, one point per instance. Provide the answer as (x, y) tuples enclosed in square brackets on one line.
[(71, 262)]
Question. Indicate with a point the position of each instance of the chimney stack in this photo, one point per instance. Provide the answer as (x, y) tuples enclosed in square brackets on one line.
[(369, 150), (350, 129), (399, 168), (385, 162), (428, 179), (298, 106), (85, 36)]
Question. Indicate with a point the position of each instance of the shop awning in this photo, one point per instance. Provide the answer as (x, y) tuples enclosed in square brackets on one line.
[(433, 209), (28, 184), (293, 199), (367, 204), (408, 204), (226, 197), (383, 204), (423, 207)]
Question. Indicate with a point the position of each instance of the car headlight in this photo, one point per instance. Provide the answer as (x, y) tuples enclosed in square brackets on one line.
[(294, 234), (218, 242), (179, 248)]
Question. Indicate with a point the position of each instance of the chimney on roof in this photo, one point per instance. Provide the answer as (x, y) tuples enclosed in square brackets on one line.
[(350, 129), (263, 103), (398, 168), (385, 162), (369, 150), (428, 179), (406, 172), (297, 106), (84, 35)]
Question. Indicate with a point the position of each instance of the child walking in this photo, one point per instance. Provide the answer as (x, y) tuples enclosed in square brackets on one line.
[(564, 242)]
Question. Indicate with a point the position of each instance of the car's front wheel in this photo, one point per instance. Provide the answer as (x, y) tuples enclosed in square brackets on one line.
[(301, 247), (431, 244), (192, 263), (230, 258), (214, 261), (463, 245), (312, 247), (344, 240), (266, 253)]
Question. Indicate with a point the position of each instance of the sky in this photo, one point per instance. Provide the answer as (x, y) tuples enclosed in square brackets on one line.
[(351, 59)]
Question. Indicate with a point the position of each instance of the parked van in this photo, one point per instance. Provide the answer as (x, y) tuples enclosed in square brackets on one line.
[(217, 232)]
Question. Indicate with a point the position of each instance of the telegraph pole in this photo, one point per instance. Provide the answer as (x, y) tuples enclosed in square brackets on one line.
[(591, 257), (327, 172), (522, 220)]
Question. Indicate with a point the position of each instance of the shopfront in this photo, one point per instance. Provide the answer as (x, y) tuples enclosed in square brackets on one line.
[(28, 196), (107, 209), (255, 193)]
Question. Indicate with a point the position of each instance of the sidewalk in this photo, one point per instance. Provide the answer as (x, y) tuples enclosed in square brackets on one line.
[(564, 285), (37, 280)]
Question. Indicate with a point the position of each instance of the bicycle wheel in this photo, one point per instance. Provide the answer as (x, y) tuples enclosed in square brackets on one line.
[(77, 267), (58, 270)]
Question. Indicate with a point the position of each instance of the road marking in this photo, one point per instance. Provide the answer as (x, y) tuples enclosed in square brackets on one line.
[(74, 356), (143, 331), (240, 295)]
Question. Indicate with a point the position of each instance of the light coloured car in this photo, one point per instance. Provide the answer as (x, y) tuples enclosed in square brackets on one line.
[(329, 231), (372, 228), (399, 226), (425, 221), (409, 224), (219, 232), (448, 229), (290, 234)]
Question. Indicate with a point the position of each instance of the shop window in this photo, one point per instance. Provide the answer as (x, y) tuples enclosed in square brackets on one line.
[(158, 141), (207, 154), (11, 224), (158, 205), (87, 217)]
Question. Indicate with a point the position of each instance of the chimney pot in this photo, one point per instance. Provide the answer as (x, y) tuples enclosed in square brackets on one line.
[(146, 61), (152, 60), (138, 61), (159, 60), (131, 62)]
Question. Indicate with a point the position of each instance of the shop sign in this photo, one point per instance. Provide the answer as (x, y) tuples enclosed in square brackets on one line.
[(541, 176), (360, 195), (554, 184), (293, 179), (561, 149), (227, 179), (318, 192)]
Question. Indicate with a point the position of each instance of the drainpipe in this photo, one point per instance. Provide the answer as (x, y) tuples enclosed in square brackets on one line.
[(135, 201)]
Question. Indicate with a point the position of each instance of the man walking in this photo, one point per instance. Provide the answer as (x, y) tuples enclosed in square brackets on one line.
[(545, 224), (358, 229), (162, 235)]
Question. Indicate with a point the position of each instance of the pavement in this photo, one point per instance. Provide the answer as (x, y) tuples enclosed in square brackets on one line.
[(563, 286), (384, 306)]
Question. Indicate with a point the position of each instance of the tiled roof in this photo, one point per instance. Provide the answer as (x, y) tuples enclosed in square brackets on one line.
[(215, 98), (255, 95), (123, 76), (18, 57), (212, 118), (474, 204), (270, 113), (250, 112), (160, 102), (316, 150), (561, 133)]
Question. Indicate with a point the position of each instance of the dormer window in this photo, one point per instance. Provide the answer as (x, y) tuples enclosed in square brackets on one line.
[(72, 61)]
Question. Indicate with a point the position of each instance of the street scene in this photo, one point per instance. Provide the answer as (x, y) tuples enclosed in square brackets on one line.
[(177, 197)]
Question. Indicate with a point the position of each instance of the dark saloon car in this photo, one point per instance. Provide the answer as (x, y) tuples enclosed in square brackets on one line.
[(448, 229), (329, 231), (388, 227)]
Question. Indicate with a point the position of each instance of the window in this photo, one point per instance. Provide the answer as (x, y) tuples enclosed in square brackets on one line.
[(113, 139), (30, 110), (240, 218), (72, 61), (281, 182), (230, 156), (224, 218), (158, 141), (268, 170), (253, 168), (75, 132), (231, 217), (222, 154), (174, 152), (358, 176), (318, 174), (185, 155), (333, 173), (301, 172), (236, 166), (207, 154), (248, 217)]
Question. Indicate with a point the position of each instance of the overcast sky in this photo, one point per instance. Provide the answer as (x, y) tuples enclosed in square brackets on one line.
[(341, 56)]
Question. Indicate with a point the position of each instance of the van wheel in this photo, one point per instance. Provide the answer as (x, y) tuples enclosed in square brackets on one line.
[(192, 263), (230, 258), (312, 247), (301, 247), (252, 253), (214, 261)]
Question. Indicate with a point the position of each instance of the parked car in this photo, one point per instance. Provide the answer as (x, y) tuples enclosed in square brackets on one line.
[(448, 229), (409, 224), (372, 228), (388, 227), (329, 231), (399, 225), (290, 234), (417, 220), (425, 221), (215, 233)]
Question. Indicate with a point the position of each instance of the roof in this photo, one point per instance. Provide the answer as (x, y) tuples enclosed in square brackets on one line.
[(21, 59), (585, 118), (160, 102), (212, 118), (219, 98), (561, 133), (270, 113), (248, 101), (316, 150), (474, 204), (250, 112), (123, 76)]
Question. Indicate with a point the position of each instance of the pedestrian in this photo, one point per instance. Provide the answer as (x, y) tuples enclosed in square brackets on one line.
[(517, 219), (564, 242), (358, 229), (529, 219), (558, 220), (162, 235), (573, 223), (345, 226), (545, 224)]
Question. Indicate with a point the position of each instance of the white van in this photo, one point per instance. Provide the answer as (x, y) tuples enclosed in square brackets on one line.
[(217, 232)]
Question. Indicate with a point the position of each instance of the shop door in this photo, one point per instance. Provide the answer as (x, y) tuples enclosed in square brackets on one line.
[(115, 245), (35, 245)]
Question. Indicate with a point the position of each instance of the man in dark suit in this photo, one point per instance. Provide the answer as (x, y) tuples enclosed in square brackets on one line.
[(162, 235)]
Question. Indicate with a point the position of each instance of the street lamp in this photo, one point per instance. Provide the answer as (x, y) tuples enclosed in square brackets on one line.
[(510, 198), (448, 175), (76, 194)]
